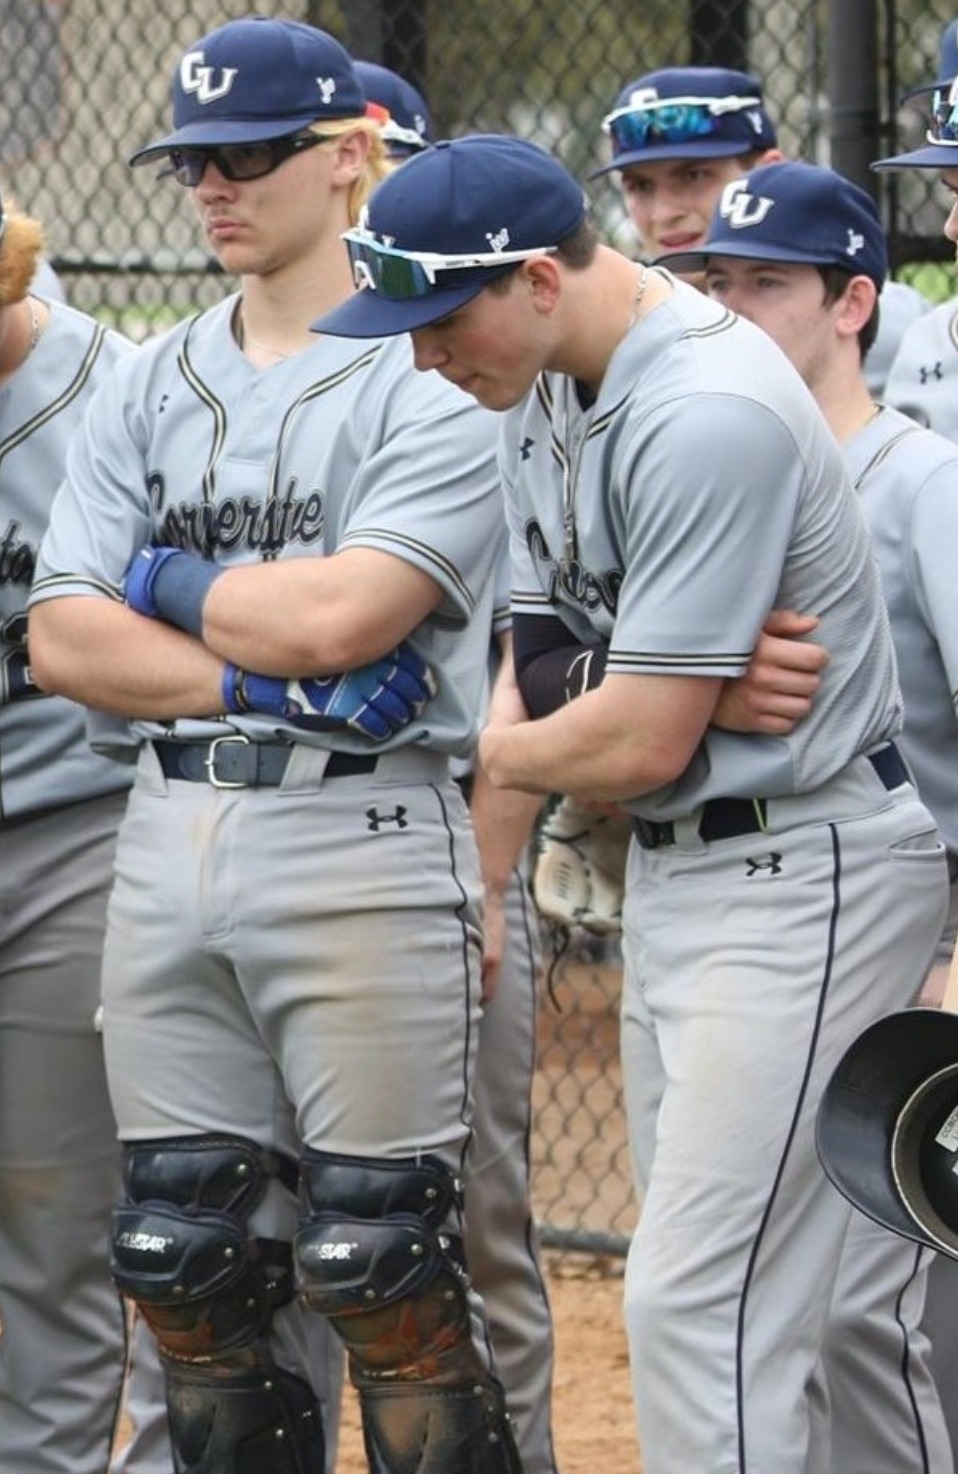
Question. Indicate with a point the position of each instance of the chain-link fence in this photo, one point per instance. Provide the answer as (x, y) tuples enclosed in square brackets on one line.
[(87, 81)]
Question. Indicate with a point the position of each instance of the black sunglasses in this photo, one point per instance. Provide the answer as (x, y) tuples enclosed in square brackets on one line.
[(239, 161)]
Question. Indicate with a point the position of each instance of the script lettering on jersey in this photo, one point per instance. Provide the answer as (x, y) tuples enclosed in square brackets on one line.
[(567, 580), (264, 527), (17, 561), (17, 557)]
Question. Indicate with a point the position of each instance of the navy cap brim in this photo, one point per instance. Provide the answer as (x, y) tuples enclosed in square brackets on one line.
[(368, 314), (932, 156), (212, 132), (728, 148), (693, 261)]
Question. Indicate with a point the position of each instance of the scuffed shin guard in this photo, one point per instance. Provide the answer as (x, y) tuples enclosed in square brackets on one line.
[(250, 1420), (409, 1428)]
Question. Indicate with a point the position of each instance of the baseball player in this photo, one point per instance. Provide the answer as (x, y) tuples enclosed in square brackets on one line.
[(923, 377), (272, 563), (657, 453), (501, 1239), (801, 251), (61, 1321), (678, 136)]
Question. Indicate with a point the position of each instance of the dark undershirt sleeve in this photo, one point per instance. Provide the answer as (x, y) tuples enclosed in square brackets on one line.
[(551, 667)]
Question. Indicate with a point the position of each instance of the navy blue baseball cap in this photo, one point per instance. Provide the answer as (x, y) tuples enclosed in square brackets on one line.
[(407, 127), (447, 223), (687, 113), (797, 213), (257, 79)]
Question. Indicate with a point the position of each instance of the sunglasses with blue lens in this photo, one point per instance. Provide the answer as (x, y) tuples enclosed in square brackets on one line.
[(403, 275), (239, 161), (671, 120)]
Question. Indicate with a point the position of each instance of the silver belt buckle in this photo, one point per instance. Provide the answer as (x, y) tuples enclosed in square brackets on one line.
[(209, 762)]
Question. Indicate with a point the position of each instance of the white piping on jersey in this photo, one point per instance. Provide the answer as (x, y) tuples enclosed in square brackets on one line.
[(362, 535), (218, 411), (570, 462), (623, 660), (56, 580), (51, 410)]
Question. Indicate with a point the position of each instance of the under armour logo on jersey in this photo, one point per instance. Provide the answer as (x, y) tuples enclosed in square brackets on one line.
[(935, 372), (198, 78), (525, 449), (742, 209), (772, 863), (327, 88), (377, 820), (856, 243)]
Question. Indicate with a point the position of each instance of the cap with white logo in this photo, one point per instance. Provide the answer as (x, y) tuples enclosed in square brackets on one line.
[(257, 79), (794, 213)]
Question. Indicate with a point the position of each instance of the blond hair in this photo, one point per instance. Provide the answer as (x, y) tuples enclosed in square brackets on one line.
[(376, 167), (20, 249)]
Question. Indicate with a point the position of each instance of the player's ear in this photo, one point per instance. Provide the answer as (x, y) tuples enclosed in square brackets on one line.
[(856, 305), (543, 278), (350, 154)]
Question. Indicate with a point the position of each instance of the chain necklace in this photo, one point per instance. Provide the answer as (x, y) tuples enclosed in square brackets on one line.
[(640, 288), (243, 342), (35, 327)]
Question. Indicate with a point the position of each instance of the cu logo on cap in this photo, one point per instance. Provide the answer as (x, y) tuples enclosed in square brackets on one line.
[(742, 209), (198, 78)]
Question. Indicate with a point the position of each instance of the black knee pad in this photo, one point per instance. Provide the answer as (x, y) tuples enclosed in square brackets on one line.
[(181, 1249), (379, 1252)]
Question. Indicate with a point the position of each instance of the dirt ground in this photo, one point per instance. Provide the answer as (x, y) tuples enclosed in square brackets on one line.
[(592, 1404)]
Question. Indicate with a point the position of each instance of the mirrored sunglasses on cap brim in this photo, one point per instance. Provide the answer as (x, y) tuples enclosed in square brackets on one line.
[(405, 275), (671, 120)]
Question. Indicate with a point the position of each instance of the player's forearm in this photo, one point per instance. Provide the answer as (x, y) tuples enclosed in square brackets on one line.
[(503, 820), (632, 735), (315, 616), (103, 655)]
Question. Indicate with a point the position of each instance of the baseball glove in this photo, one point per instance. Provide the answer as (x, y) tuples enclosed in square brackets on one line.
[(578, 873)]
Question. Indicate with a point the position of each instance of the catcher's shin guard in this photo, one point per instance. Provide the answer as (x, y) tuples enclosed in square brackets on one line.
[(375, 1255), (181, 1249)]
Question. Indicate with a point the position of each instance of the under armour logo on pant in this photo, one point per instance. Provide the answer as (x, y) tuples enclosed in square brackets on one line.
[(377, 820), (935, 372), (772, 862)]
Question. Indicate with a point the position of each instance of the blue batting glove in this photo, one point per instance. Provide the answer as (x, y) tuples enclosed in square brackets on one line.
[(376, 700)]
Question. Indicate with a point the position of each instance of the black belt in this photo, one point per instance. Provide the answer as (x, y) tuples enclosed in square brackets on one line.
[(727, 818), (239, 762)]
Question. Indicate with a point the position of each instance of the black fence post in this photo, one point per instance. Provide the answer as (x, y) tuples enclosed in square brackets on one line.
[(718, 31), (853, 89), (392, 32)]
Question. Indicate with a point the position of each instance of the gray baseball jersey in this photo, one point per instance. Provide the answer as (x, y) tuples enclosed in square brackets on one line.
[(44, 757), (329, 440), (923, 379), (62, 1344), (601, 501)]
